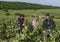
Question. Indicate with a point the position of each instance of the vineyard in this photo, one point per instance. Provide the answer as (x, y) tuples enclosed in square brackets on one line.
[(9, 30)]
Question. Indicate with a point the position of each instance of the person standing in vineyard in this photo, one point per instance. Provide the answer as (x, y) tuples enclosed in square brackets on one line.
[(49, 24), (35, 22), (21, 22)]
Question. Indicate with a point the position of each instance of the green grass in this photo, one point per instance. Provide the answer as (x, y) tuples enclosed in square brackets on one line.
[(55, 12)]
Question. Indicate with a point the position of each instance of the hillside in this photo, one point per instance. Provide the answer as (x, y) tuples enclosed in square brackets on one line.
[(23, 5)]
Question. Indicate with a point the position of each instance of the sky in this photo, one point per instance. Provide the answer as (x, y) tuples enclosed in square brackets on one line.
[(44, 2)]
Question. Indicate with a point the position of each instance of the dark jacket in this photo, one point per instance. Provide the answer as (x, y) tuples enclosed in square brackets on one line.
[(49, 24)]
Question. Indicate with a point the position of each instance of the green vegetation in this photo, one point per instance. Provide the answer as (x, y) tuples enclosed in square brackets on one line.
[(22, 5), (9, 31)]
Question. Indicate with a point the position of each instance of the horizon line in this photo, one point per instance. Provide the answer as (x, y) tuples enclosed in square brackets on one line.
[(31, 3)]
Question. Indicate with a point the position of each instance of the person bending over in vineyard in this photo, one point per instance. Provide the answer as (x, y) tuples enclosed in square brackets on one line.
[(35, 22), (49, 25), (21, 22)]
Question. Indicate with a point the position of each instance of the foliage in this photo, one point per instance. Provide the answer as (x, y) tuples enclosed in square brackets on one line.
[(6, 10), (53, 16), (22, 5), (9, 30), (7, 14)]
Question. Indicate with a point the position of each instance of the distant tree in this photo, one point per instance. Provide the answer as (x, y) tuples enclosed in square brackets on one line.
[(18, 14), (7, 14), (53, 16), (6, 10), (19, 5)]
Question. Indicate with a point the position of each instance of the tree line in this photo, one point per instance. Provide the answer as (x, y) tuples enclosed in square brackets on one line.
[(23, 5)]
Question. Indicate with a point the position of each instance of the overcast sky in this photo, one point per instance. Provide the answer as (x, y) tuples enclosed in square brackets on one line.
[(44, 2)]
